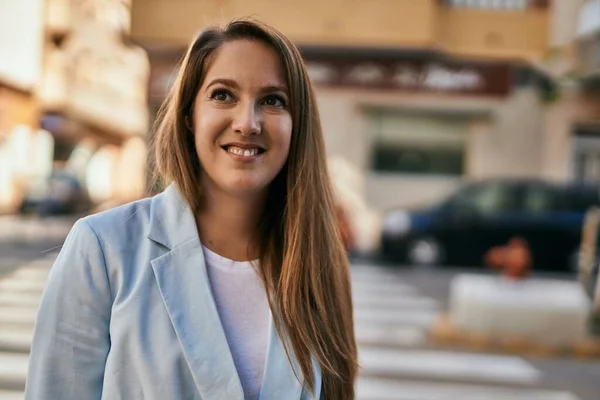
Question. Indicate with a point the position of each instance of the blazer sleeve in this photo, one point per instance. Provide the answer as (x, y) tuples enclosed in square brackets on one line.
[(71, 339)]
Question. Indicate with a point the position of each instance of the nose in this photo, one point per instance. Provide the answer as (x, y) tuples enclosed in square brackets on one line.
[(248, 120)]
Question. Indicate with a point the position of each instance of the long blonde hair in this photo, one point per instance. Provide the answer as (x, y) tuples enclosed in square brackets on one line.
[(303, 263)]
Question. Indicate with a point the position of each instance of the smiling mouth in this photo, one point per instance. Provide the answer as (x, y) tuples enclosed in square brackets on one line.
[(244, 152)]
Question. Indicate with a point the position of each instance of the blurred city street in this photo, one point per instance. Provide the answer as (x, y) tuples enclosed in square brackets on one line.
[(394, 309), (28, 239), (462, 141)]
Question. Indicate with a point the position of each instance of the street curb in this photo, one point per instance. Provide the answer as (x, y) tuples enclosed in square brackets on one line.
[(443, 333)]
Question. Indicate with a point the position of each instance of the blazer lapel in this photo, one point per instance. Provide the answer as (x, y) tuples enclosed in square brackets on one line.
[(279, 380), (282, 377), (180, 272), (185, 290)]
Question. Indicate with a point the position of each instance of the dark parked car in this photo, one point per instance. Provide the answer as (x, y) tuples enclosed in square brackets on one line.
[(462, 228), (59, 194)]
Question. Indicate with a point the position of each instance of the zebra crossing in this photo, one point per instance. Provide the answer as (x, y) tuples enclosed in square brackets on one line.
[(391, 323), (20, 293)]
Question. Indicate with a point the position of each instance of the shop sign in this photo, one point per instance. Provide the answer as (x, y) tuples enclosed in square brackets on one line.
[(428, 76)]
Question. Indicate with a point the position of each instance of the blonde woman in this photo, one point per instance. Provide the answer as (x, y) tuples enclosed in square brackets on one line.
[(231, 284)]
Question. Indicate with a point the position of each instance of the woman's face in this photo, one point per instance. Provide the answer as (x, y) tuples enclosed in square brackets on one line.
[(242, 122)]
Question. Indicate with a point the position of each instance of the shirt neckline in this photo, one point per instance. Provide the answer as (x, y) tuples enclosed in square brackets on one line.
[(226, 263)]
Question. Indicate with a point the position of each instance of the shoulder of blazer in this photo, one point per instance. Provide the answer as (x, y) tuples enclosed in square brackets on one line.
[(123, 218)]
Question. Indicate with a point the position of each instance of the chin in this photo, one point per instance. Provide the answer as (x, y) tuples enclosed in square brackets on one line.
[(245, 187)]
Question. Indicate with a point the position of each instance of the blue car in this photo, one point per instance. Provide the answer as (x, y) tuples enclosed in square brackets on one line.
[(463, 227), (59, 194)]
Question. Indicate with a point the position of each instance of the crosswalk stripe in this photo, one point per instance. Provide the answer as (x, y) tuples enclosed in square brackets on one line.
[(19, 298), (18, 340), (20, 285), (416, 318), (371, 268), (378, 281), (383, 389), (374, 276), (398, 301), (11, 395), (390, 336), (361, 289), (18, 315), (13, 368), (447, 365), (35, 274)]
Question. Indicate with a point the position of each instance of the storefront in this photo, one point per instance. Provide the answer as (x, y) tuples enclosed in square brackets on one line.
[(419, 124), (416, 125)]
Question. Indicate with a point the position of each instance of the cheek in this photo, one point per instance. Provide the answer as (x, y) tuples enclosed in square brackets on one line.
[(283, 137), (206, 130), (203, 149)]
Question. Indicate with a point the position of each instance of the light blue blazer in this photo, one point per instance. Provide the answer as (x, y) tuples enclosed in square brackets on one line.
[(128, 313)]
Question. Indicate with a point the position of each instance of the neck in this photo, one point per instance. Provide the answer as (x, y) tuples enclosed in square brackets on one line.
[(227, 223)]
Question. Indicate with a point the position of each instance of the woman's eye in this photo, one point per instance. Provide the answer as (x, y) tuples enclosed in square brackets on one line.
[(274, 101), (221, 95)]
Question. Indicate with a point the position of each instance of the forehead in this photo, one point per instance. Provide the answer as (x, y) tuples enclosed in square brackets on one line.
[(249, 62)]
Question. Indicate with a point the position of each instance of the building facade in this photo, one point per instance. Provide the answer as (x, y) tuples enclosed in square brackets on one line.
[(418, 96), (73, 98), (572, 134), (20, 73), (93, 96)]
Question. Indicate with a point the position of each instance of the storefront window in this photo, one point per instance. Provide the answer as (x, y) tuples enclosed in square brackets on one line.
[(417, 160), (421, 144), (586, 154)]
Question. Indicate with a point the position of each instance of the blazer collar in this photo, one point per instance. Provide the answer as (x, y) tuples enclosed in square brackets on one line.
[(171, 219), (183, 282)]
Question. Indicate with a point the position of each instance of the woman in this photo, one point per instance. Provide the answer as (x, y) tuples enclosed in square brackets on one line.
[(231, 284)]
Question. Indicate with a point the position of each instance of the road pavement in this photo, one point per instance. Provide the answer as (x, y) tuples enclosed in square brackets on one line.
[(394, 308)]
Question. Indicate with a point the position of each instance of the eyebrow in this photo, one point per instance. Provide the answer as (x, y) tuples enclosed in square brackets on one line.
[(225, 82), (274, 88), (234, 85)]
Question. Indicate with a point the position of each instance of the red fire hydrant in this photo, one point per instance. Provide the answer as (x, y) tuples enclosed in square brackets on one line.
[(513, 260)]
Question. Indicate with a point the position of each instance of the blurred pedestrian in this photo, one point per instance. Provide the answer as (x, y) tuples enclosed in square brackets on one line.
[(232, 283)]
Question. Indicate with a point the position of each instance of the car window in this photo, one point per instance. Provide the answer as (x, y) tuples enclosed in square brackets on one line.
[(539, 199), (581, 199), (489, 198)]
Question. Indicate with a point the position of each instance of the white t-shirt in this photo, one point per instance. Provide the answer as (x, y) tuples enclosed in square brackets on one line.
[(244, 311)]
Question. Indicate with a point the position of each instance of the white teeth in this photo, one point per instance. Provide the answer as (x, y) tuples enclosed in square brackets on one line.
[(242, 152)]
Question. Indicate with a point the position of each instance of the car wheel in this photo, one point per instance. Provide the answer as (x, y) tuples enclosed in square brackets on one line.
[(425, 252)]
